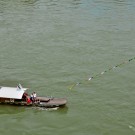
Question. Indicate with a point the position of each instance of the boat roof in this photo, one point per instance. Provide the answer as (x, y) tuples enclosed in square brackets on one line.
[(12, 92)]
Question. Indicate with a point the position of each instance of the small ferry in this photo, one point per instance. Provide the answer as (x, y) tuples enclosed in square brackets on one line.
[(19, 96)]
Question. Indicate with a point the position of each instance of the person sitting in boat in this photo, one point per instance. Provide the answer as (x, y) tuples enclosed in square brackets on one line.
[(34, 96), (28, 100), (31, 97)]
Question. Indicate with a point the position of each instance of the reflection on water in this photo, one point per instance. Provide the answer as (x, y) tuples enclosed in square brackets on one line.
[(29, 1), (15, 109), (11, 109), (45, 109), (121, 2), (61, 110), (6, 5), (56, 3), (99, 4)]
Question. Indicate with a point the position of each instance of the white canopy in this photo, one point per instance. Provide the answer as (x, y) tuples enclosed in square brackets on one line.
[(12, 92)]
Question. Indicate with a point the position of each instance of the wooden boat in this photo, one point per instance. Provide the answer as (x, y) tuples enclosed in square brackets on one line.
[(19, 96)]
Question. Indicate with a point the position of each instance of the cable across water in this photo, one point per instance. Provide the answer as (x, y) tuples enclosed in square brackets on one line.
[(103, 72)]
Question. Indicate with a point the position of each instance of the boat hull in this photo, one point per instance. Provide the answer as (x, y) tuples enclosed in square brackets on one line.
[(51, 102), (40, 102)]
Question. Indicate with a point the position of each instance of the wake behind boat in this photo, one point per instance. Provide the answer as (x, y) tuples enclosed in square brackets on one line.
[(19, 96)]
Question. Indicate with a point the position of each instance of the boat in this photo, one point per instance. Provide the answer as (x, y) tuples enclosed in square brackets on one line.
[(19, 96)]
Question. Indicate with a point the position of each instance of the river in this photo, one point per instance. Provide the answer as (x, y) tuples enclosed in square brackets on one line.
[(50, 45)]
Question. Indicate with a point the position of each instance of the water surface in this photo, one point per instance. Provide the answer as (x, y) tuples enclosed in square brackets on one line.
[(48, 45)]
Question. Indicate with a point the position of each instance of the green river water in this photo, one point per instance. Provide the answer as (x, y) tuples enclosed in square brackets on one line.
[(49, 45)]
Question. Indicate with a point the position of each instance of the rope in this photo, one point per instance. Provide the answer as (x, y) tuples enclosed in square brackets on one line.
[(101, 73)]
